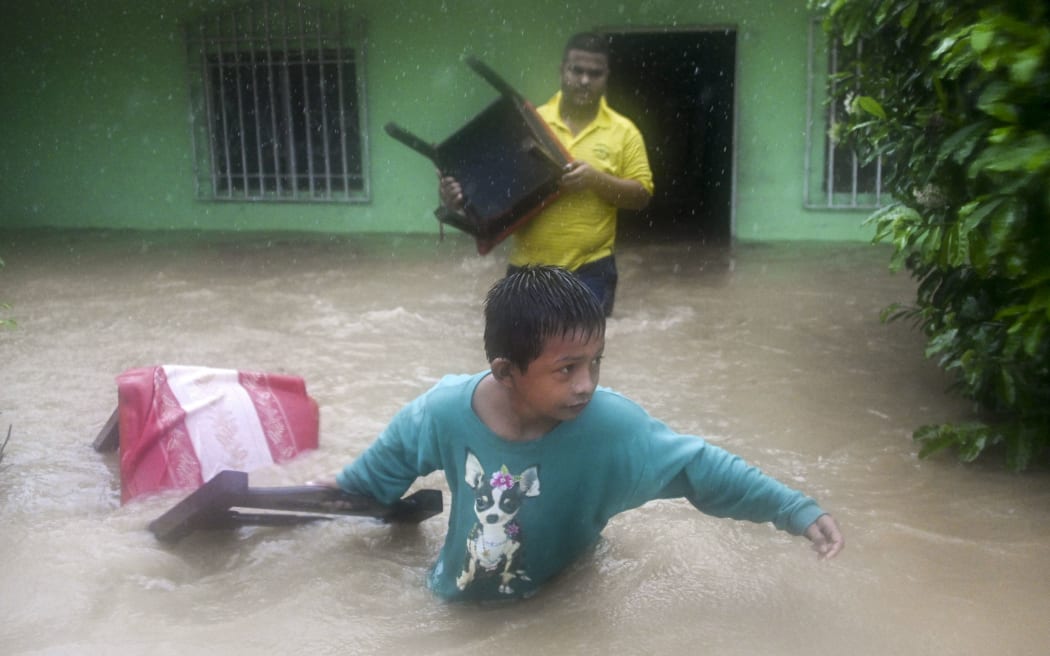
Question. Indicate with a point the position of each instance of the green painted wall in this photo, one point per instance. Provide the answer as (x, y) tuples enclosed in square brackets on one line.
[(94, 124)]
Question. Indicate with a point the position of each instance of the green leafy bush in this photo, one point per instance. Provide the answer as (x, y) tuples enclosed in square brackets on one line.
[(956, 95)]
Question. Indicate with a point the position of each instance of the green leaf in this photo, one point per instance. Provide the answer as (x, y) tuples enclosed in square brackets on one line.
[(1008, 389), (1029, 154), (892, 312), (1027, 64), (1011, 311), (981, 37), (976, 212), (956, 248), (1034, 337), (995, 101), (932, 439), (970, 449), (960, 144), (871, 106), (947, 43), (836, 7), (989, 60), (908, 15), (1040, 300)]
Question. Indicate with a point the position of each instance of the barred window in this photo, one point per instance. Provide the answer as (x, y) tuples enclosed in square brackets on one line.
[(835, 175), (277, 105)]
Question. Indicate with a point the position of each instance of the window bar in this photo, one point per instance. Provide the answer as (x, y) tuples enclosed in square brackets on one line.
[(831, 124), (222, 106), (342, 102), (270, 75), (856, 159), (324, 110), (260, 170), (878, 159), (878, 181), (306, 104), (234, 45), (810, 85), (209, 113), (288, 96), (286, 84), (358, 109), (855, 177)]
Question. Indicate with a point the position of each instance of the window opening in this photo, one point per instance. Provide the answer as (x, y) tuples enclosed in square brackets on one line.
[(277, 105), (835, 177)]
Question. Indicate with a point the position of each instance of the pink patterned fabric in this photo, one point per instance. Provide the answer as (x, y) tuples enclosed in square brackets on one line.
[(180, 426)]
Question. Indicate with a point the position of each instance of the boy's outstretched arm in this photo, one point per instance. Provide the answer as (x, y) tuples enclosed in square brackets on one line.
[(826, 537)]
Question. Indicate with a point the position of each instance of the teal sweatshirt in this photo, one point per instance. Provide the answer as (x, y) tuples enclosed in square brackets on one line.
[(520, 512)]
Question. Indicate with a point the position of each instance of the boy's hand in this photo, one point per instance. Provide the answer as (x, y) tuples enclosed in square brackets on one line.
[(826, 537)]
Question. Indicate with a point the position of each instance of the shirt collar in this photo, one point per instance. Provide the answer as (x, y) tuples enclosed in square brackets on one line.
[(602, 119)]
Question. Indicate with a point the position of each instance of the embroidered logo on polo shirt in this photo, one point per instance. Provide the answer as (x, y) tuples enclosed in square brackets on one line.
[(601, 151)]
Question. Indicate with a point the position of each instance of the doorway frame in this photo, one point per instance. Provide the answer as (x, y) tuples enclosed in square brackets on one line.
[(697, 28)]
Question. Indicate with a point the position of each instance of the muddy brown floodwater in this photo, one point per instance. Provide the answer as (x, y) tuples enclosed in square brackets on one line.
[(775, 352)]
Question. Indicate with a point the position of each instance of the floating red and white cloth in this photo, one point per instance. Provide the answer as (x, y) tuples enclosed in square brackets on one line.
[(180, 425)]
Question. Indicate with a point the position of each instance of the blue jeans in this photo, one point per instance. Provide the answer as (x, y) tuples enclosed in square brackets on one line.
[(600, 277)]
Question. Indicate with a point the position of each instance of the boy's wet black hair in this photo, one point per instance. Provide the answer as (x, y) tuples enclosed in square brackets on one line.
[(588, 42), (534, 304)]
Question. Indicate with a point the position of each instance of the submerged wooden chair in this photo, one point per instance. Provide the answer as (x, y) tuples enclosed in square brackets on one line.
[(269, 417), (108, 439), (212, 507)]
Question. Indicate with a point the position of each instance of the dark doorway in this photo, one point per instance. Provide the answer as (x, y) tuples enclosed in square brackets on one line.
[(678, 88)]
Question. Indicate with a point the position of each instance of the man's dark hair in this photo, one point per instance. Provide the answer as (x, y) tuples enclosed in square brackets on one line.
[(536, 303), (589, 42)]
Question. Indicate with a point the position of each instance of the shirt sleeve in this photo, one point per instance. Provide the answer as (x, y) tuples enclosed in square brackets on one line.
[(719, 483), (635, 165), (404, 451)]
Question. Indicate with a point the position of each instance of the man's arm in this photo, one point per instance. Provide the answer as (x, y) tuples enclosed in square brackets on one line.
[(627, 186), (618, 192)]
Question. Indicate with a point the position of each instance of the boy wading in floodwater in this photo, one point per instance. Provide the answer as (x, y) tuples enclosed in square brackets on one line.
[(538, 458)]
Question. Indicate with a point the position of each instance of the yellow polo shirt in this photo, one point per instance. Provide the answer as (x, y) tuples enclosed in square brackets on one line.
[(580, 227)]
